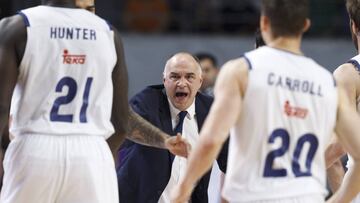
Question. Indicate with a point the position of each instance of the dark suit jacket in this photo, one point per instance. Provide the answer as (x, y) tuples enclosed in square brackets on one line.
[(144, 172)]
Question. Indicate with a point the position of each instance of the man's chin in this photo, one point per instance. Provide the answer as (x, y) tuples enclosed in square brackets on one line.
[(180, 105)]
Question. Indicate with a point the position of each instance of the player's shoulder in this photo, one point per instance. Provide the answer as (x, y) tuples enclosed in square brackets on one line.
[(347, 69), (12, 28), (260, 52), (347, 73), (236, 67)]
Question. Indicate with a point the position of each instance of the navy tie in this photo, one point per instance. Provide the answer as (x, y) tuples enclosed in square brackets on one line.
[(179, 126)]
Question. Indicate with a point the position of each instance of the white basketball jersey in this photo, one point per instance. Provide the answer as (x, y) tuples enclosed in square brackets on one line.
[(65, 81), (277, 147)]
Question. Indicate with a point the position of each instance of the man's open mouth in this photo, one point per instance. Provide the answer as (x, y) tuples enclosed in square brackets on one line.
[(181, 95)]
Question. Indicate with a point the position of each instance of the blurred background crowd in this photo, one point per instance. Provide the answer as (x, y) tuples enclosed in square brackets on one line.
[(153, 30), (190, 16)]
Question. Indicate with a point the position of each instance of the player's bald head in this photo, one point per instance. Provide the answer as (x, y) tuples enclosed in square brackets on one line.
[(182, 59)]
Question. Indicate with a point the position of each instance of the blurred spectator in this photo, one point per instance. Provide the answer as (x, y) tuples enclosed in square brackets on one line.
[(146, 16), (209, 72)]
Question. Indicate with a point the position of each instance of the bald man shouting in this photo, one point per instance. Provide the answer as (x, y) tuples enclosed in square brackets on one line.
[(147, 174)]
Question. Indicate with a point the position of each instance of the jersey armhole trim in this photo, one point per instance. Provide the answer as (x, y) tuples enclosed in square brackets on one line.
[(248, 62), (110, 26), (25, 18), (356, 64), (334, 80)]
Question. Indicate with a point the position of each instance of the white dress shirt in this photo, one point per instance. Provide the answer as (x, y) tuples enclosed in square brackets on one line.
[(190, 132)]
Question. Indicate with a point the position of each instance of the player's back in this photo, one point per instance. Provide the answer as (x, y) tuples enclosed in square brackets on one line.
[(65, 81), (288, 114)]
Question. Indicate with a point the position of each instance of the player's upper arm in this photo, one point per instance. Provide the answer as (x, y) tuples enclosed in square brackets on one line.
[(12, 33), (232, 81), (120, 110), (12, 40), (229, 90), (347, 124), (348, 77)]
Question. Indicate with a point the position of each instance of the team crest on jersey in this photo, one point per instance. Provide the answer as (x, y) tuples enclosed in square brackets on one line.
[(293, 111), (73, 58)]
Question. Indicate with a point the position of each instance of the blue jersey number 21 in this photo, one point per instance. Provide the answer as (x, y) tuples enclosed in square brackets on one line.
[(283, 135), (70, 83)]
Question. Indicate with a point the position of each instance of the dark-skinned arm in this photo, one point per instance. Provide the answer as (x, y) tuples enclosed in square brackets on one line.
[(120, 110), (12, 46)]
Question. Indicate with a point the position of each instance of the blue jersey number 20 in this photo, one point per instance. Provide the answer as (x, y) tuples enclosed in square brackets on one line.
[(283, 135), (70, 83)]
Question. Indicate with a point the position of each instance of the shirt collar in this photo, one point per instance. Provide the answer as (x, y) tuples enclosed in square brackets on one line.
[(174, 111)]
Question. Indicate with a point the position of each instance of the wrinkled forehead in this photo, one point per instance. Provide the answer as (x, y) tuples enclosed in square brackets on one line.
[(182, 67)]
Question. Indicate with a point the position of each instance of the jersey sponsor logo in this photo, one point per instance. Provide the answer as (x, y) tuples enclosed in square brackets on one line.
[(295, 85), (73, 58), (293, 111)]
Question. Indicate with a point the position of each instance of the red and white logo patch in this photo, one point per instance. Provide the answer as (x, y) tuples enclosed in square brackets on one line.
[(293, 111), (73, 58)]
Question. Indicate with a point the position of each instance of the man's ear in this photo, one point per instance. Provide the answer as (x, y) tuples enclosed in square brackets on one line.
[(307, 25), (354, 29)]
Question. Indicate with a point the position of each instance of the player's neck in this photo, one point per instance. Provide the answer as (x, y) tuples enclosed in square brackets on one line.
[(286, 43), (60, 3)]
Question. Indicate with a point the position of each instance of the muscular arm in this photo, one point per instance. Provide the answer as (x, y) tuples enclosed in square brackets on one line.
[(12, 46), (12, 40), (127, 123), (120, 110), (143, 132), (348, 134), (348, 77)]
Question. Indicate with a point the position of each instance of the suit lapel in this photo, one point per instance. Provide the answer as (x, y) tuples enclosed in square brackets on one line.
[(201, 113), (165, 119), (165, 116)]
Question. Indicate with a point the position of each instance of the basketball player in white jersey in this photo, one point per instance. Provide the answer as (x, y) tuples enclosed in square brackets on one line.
[(67, 66), (281, 107), (348, 74)]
